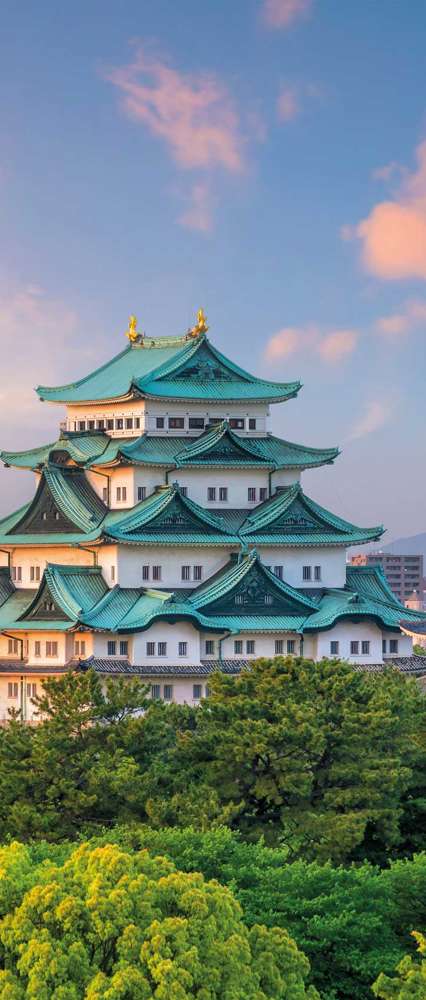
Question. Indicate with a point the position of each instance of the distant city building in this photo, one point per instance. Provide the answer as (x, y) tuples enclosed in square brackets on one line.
[(403, 573)]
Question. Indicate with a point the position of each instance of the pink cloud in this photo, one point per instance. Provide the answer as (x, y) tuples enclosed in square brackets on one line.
[(192, 113), (376, 414), (288, 105), (331, 348), (393, 236), (198, 214), (413, 314), (282, 13), (336, 346)]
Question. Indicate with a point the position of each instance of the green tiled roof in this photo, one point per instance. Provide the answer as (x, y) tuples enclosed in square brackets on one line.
[(79, 508), (164, 368), (169, 518), (237, 578), (366, 595), (292, 518)]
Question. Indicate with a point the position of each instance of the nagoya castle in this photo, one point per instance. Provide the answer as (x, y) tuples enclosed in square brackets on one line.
[(169, 535)]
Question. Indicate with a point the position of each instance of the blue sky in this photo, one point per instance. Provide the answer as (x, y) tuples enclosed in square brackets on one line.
[(262, 159)]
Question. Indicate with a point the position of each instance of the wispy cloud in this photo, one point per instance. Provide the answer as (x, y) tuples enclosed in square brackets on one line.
[(192, 113), (293, 98), (331, 347), (198, 212), (393, 236), (283, 13), (376, 414), (411, 315)]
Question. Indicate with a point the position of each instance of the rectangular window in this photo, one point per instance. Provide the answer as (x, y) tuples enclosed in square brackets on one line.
[(80, 648), (155, 691), (317, 572), (112, 574), (162, 648), (91, 425), (141, 493), (183, 649), (215, 420), (119, 424), (365, 647), (156, 573), (31, 690), (150, 649), (51, 648), (198, 572), (237, 423), (209, 647), (124, 492), (250, 646), (393, 645), (137, 423), (17, 573), (37, 648), (251, 494), (26, 647), (105, 494), (185, 572), (12, 647), (184, 491), (111, 647), (384, 646), (334, 647), (196, 423), (291, 645), (110, 425), (278, 570), (145, 573), (263, 494), (168, 692), (176, 423), (354, 647), (223, 493), (129, 423), (159, 423), (118, 494), (238, 647), (100, 424), (124, 647), (279, 647), (12, 689), (252, 424), (82, 425), (197, 691), (211, 493), (307, 572)]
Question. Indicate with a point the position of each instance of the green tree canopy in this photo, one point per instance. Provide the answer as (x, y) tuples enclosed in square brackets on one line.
[(411, 981), (109, 924)]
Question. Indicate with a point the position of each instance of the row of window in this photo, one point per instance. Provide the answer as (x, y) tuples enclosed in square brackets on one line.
[(113, 423), (214, 494), (173, 423), (13, 690), (160, 649), (165, 691), (363, 647)]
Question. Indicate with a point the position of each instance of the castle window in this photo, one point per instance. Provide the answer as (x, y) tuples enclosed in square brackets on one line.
[(252, 423), (197, 691), (112, 574), (393, 645), (184, 491), (12, 647), (354, 647), (124, 647), (31, 690), (223, 493), (44, 516), (307, 572), (251, 494), (141, 492), (51, 648), (250, 646), (110, 425), (137, 422), (291, 645), (198, 572), (111, 647), (237, 423), (105, 494), (196, 423), (121, 493), (279, 647), (384, 646), (211, 493), (150, 649), (119, 424), (100, 424), (365, 647), (145, 573), (155, 691), (185, 572), (317, 573), (238, 647), (37, 648), (156, 573), (56, 515), (12, 689), (82, 425), (278, 570), (91, 425), (176, 423), (80, 647), (183, 649), (334, 648), (263, 494), (159, 423), (162, 649), (129, 423), (268, 599), (239, 598), (168, 692), (17, 573), (209, 647)]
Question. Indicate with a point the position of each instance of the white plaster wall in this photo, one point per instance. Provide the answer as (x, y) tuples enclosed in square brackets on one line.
[(222, 411), (332, 560), (105, 411), (172, 634), (132, 558), (264, 645), (183, 687), (285, 477), (237, 482), (27, 556), (344, 632), (405, 644)]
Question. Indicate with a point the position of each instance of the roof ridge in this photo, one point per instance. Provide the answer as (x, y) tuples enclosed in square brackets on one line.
[(74, 385)]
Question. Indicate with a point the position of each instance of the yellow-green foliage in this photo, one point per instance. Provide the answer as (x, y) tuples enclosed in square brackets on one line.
[(411, 982)]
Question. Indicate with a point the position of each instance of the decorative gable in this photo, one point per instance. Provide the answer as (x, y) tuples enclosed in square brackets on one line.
[(256, 593), (43, 516), (203, 367), (44, 607)]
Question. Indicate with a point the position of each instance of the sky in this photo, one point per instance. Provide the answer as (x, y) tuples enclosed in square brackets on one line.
[(264, 159)]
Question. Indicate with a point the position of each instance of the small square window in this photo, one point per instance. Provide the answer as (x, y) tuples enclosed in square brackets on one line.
[(317, 573), (183, 649), (162, 648), (211, 493), (209, 647), (279, 647), (291, 646), (197, 691), (124, 647), (250, 646), (159, 423), (354, 647), (238, 647), (185, 572), (176, 423), (263, 494), (278, 570), (198, 572), (334, 647), (129, 423), (393, 645), (307, 572), (237, 423), (91, 425), (223, 493), (82, 425), (251, 494), (145, 573), (150, 649), (168, 692), (155, 691), (119, 424), (111, 647), (365, 647), (156, 573), (196, 423), (252, 423), (100, 424), (141, 493), (384, 646), (110, 425)]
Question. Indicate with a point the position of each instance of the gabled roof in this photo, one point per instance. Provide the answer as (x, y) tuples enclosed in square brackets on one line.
[(65, 595), (90, 450), (292, 518), (167, 368), (64, 508), (246, 586), (167, 517), (366, 595)]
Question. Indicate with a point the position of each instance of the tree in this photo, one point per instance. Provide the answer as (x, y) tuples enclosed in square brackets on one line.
[(411, 982), (108, 924)]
